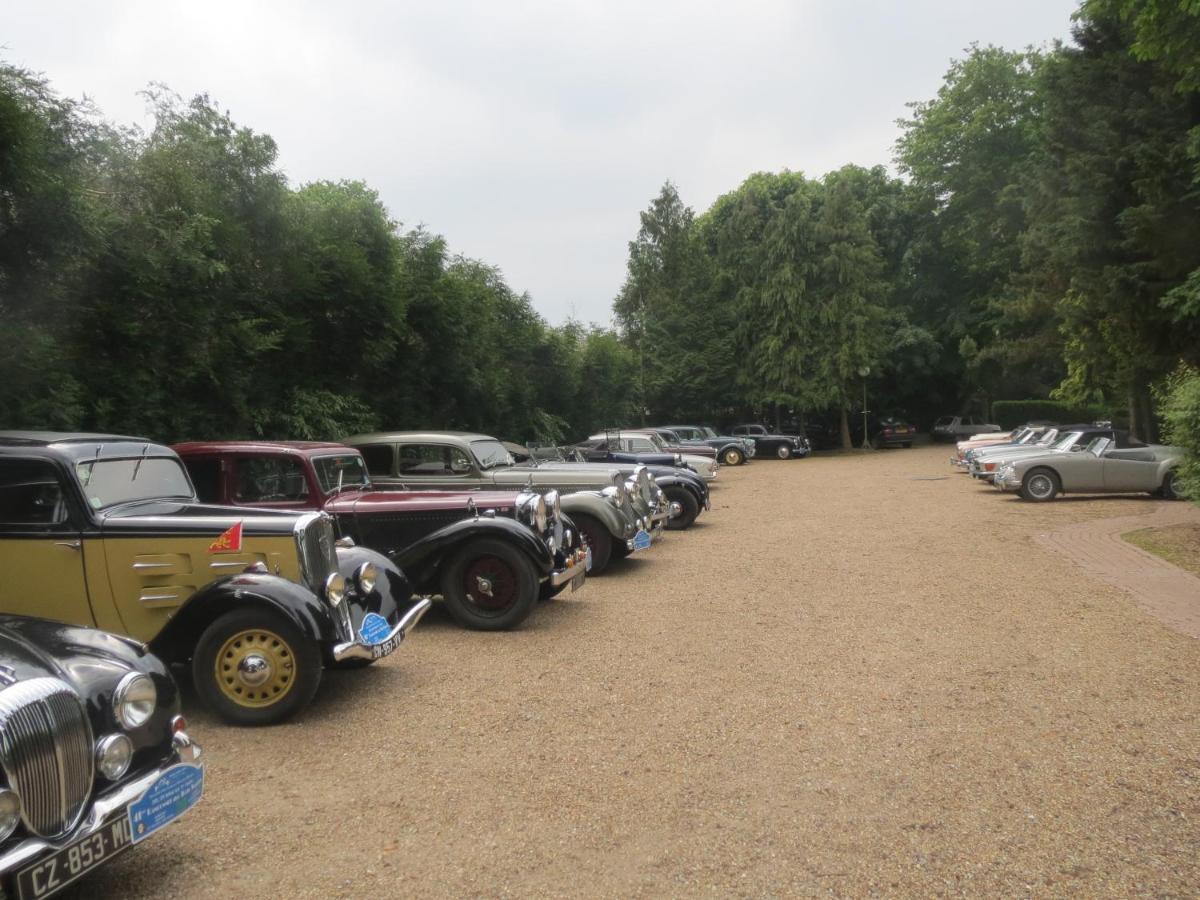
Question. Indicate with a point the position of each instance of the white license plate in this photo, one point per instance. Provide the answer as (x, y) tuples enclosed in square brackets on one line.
[(72, 862), (386, 648)]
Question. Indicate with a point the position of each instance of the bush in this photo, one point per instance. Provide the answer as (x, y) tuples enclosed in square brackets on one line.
[(1011, 413), (1181, 425)]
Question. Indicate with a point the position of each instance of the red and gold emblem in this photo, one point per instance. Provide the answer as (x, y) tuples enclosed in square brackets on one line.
[(229, 542)]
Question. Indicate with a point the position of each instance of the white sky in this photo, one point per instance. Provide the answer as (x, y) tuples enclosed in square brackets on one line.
[(531, 134)]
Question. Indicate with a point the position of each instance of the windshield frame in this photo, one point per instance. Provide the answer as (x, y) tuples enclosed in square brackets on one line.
[(486, 464), (327, 490), (139, 464), (1067, 441)]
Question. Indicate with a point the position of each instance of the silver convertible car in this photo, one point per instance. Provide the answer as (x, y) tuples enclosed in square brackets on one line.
[(1100, 468)]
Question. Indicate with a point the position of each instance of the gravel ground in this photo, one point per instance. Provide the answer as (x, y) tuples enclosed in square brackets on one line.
[(851, 678)]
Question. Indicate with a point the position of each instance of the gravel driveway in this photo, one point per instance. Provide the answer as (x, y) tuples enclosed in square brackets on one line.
[(850, 678)]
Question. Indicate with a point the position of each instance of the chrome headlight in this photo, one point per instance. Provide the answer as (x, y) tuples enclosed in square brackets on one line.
[(366, 577), (134, 700), (612, 494), (679, 459), (335, 588), (554, 504), (114, 753), (10, 812)]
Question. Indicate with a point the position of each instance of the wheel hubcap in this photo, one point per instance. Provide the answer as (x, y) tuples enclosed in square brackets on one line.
[(490, 584), (1039, 486), (255, 668), (783, 452)]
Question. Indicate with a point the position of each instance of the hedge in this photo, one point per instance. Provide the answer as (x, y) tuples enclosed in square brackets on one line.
[(1181, 421), (1011, 413)]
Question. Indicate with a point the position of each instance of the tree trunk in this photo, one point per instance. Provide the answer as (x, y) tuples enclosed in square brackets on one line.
[(846, 443)]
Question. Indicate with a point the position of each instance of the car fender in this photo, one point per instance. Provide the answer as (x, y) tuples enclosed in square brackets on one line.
[(594, 504), (688, 484), (422, 560), (393, 593), (296, 603)]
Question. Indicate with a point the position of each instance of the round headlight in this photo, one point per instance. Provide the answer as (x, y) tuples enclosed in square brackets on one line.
[(134, 700), (554, 504), (10, 812), (613, 495), (335, 588), (114, 753), (678, 459), (539, 513), (366, 576)]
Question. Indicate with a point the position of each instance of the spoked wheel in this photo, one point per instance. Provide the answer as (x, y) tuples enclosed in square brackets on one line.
[(1172, 488), (254, 667), (732, 456), (1040, 485), (783, 451), (489, 586)]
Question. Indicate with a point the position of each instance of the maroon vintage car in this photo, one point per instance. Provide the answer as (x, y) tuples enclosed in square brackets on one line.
[(490, 554)]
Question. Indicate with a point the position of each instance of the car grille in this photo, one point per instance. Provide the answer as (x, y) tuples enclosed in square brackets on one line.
[(46, 753), (318, 558)]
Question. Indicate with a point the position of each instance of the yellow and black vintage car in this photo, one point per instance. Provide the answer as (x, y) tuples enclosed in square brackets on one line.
[(105, 530)]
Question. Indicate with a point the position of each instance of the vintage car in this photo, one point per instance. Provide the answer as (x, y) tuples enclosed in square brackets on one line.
[(965, 451), (105, 530), (953, 428), (488, 554), (94, 753), (1100, 468), (781, 446), (673, 443), (597, 498), (985, 462), (888, 431), (731, 450), (647, 448), (685, 492)]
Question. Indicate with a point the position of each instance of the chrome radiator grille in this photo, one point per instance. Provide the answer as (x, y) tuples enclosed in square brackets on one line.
[(46, 753), (318, 557)]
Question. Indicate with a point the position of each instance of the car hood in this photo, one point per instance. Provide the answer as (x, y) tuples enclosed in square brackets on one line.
[(32, 648), (381, 502), (190, 517), (990, 453)]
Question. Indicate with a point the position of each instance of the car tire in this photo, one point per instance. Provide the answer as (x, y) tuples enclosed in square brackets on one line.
[(490, 585), (254, 638), (783, 451), (732, 456), (1040, 485), (690, 507), (1172, 487), (599, 541)]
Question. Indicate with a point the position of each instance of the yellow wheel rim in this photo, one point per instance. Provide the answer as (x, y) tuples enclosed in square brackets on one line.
[(255, 668)]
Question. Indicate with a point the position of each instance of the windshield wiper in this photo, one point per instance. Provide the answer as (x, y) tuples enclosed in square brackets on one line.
[(138, 465)]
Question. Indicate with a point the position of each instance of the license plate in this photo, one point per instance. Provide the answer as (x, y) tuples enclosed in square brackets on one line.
[(577, 581), (386, 648), (69, 863)]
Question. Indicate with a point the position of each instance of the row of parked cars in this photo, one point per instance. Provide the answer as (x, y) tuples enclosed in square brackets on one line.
[(1041, 461), (254, 566)]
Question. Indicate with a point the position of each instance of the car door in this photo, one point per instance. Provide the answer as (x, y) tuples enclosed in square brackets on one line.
[(429, 465), (41, 544), (1130, 470)]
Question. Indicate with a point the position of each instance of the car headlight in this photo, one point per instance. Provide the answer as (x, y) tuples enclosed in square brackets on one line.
[(134, 700), (10, 812), (613, 495), (335, 588), (539, 513), (366, 577), (554, 504), (678, 459), (114, 753)]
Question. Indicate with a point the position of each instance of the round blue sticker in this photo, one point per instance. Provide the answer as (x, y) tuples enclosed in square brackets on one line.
[(375, 628)]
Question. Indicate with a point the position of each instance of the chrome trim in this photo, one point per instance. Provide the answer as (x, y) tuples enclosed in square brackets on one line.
[(240, 564), (105, 809), (118, 698), (150, 600), (138, 566), (358, 650), (576, 563), (46, 752)]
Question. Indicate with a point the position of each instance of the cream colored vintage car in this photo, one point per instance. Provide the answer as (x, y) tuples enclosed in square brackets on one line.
[(1100, 468)]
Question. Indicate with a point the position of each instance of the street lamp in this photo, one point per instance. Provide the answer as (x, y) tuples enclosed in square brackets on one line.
[(863, 372)]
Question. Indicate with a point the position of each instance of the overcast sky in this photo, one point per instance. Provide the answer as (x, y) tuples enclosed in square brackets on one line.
[(530, 134)]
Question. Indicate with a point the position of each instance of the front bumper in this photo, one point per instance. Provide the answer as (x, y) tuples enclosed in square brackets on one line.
[(1010, 483), (106, 810), (576, 565), (358, 649)]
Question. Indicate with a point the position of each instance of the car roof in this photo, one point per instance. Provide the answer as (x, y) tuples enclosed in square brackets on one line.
[(78, 445), (393, 437), (295, 448)]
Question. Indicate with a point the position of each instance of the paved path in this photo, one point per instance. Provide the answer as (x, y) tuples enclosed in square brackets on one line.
[(1162, 589)]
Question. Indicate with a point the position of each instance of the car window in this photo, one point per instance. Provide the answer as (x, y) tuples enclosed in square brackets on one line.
[(378, 458), (433, 459), (30, 493), (340, 470), (107, 482), (489, 453), (1098, 446), (641, 445), (269, 479), (206, 476)]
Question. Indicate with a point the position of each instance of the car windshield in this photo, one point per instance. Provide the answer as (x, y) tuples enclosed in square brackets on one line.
[(336, 472), (708, 432), (491, 454), (1068, 440), (1022, 436), (1048, 438), (107, 482), (1097, 445), (655, 440)]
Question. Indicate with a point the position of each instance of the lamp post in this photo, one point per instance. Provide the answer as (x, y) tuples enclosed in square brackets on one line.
[(864, 371)]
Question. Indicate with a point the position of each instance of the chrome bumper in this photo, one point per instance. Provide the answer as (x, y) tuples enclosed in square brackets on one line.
[(356, 649), (104, 810), (959, 463), (1006, 485), (576, 563)]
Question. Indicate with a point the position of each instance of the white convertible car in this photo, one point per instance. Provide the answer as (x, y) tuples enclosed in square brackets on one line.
[(1100, 468)]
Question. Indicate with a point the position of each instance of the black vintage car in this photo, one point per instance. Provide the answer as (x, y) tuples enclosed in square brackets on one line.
[(106, 531), (781, 446), (94, 753)]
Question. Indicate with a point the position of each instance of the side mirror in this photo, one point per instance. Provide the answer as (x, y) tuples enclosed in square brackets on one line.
[(460, 467)]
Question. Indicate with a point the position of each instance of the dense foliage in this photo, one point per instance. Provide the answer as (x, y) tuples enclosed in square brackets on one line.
[(173, 284), (1042, 240)]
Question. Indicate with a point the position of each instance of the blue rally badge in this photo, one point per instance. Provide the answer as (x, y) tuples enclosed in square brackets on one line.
[(167, 799), (641, 540), (375, 629)]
